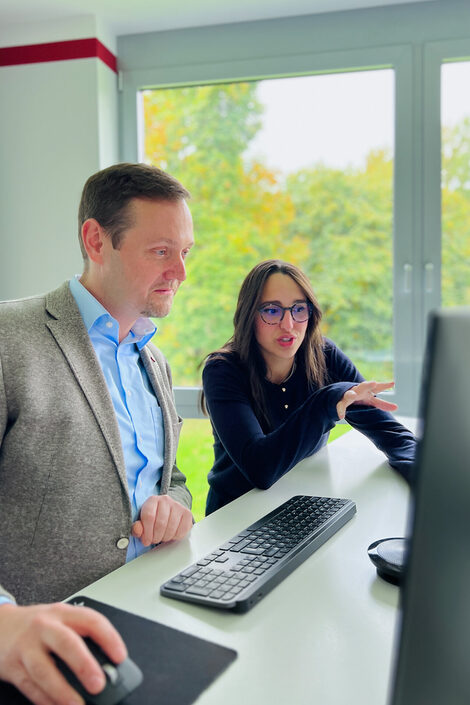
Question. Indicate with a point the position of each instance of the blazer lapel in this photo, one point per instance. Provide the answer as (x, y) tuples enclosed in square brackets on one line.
[(68, 329), (166, 404)]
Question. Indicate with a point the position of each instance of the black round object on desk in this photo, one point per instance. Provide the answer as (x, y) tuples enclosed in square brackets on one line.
[(389, 557)]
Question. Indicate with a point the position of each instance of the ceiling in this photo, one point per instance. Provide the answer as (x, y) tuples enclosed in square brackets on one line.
[(134, 16)]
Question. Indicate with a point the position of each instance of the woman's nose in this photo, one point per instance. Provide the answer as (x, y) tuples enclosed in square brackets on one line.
[(287, 322)]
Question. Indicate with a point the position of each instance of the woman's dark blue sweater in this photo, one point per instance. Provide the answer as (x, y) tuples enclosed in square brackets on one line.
[(248, 455)]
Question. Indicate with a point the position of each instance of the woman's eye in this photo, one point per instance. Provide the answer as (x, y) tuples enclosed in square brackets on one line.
[(185, 253), (270, 311), (300, 308)]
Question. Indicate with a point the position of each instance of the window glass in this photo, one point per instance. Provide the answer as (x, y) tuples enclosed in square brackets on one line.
[(455, 113), (294, 168)]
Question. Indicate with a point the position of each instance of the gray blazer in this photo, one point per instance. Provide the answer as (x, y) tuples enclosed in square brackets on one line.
[(64, 502)]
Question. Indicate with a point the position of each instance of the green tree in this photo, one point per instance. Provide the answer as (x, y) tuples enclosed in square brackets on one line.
[(240, 210), (347, 218)]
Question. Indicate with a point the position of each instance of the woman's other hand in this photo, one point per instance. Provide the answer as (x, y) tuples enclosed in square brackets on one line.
[(365, 393)]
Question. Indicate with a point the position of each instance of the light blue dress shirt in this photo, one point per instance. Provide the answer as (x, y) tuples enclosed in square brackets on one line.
[(137, 411)]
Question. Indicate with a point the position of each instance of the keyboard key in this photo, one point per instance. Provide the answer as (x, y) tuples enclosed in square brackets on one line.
[(190, 571), (270, 552), (196, 590), (216, 594), (173, 585), (228, 546), (241, 545)]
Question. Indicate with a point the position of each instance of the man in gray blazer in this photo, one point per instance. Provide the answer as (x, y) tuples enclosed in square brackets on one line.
[(88, 428)]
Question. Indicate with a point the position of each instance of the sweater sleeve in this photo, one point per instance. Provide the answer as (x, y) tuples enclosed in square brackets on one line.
[(381, 427), (263, 458)]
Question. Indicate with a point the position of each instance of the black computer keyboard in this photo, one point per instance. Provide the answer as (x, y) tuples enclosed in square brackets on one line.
[(244, 569)]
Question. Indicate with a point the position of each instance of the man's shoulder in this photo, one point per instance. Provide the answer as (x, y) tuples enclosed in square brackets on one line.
[(31, 312), (19, 314), (13, 305), (34, 302)]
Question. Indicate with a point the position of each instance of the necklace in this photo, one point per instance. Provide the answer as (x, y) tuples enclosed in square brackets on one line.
[(286, 379)]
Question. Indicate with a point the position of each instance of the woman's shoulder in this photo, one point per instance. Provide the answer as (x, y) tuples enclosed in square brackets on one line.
[(338, 364), (330, 348), (334, 356), (222, 361), (222, 356), (224, 371)]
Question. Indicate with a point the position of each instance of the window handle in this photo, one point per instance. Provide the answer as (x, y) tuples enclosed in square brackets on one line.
[(407, 274), (428, 277)]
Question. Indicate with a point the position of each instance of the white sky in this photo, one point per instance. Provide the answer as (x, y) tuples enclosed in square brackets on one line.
[(335, 119), (338, 118), (455, 92)]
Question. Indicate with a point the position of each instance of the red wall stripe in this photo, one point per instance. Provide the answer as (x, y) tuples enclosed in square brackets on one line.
[(58, 51)]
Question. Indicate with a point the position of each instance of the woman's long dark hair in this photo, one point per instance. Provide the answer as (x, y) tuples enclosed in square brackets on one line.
[(243, 341)]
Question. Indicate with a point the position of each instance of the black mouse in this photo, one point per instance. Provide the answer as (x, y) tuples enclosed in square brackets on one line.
[(121, 679), (389, 557)]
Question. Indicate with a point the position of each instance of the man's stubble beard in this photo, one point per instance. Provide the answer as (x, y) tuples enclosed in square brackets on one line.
[(157, 310)]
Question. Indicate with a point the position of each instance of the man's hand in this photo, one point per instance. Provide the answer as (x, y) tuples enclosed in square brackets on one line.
[(365, 393), (162, 519), (28, 635)]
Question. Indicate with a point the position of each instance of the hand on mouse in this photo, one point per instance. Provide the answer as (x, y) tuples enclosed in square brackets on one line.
[(28, 635)]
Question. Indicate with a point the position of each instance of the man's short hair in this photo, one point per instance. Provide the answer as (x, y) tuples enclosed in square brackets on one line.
[(107, 194)]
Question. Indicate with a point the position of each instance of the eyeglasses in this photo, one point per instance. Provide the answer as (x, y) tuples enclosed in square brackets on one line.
[(272, 313)]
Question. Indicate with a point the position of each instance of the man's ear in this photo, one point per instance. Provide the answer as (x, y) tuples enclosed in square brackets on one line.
[(93, 236)]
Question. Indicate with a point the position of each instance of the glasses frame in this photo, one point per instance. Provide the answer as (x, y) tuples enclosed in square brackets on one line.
[(284, 309)]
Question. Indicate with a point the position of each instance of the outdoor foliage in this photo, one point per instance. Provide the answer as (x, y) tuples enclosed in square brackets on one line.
[(240, 214), (456, 214), (336, 224)]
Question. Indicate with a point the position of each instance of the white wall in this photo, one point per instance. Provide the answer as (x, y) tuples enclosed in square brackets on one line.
[(58, 126)]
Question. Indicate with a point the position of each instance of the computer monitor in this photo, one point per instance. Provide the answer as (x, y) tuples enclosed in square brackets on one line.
[(433, 638)]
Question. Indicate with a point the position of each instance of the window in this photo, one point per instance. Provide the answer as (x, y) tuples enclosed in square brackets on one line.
[(297, 168), (455, 115), (403, 48)]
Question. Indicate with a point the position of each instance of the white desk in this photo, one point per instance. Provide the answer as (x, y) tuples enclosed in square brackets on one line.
[(325, 635)]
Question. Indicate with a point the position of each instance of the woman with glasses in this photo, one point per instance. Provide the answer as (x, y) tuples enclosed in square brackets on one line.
[(275, 390)]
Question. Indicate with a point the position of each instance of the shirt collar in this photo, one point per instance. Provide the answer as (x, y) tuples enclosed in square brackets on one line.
[(95, 316)]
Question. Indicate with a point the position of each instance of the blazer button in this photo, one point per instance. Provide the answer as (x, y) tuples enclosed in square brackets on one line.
[(123, 542)]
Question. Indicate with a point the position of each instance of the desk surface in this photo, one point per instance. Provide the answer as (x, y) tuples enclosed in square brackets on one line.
[(325, 635)]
